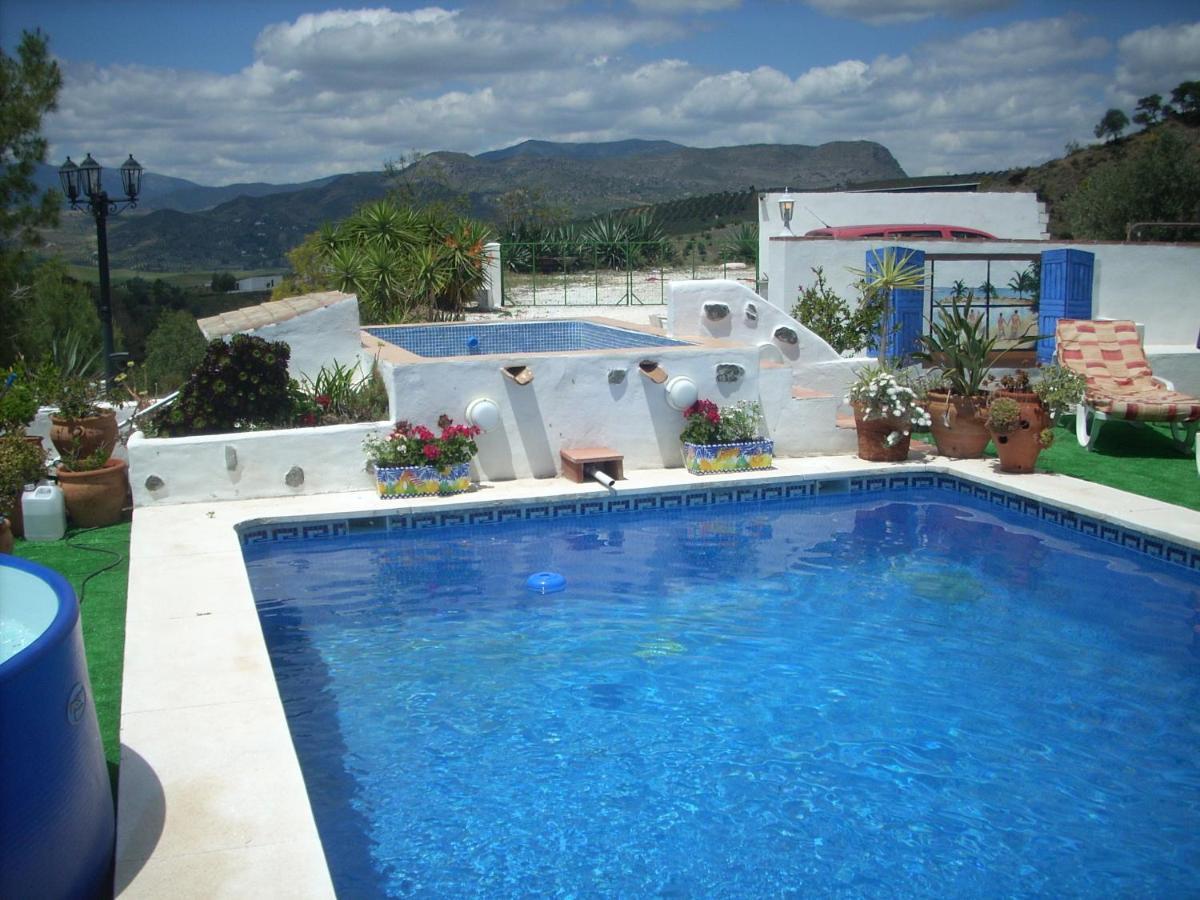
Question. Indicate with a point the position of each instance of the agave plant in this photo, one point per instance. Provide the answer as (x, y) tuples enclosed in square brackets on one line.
[(958, 345)]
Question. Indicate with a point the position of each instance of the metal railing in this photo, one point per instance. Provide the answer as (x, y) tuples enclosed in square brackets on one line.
[(604, 274)]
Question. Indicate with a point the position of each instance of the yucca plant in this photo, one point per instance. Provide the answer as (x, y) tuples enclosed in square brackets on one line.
[(890, 272)]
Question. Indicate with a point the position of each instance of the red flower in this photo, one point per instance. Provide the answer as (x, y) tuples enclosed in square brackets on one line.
[(423, 433), (323, 400), (431, 451)]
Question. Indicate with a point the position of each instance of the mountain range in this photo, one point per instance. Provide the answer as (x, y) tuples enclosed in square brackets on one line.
[(181, 225)]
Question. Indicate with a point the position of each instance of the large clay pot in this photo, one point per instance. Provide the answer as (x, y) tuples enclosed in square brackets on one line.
[(873, 434), (96, 497), (1018, 449), (957, 425), (6, 536), (80, 438)]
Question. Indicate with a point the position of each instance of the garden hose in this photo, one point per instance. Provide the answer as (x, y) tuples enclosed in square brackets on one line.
[(116, 561)]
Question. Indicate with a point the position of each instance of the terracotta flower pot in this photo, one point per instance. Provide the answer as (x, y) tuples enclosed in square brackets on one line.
[(78, 438), (1018, 449), (957, 426), (96, 497), (873, 438)]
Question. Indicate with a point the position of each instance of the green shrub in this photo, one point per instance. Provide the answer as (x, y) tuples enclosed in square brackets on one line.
[(242, 384), (830, 317)]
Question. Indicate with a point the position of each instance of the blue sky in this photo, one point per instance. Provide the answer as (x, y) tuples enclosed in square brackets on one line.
[(270, 90)]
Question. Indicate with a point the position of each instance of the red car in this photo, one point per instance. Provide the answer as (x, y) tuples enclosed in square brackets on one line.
[(912, 232)]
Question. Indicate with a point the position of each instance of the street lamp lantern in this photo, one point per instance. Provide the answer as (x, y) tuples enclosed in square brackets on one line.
[(89, 176), (787, 207), (68, 174), (82, 187), (131, 177)]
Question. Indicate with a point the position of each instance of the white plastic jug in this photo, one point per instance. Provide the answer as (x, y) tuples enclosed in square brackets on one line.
[(45, 512)]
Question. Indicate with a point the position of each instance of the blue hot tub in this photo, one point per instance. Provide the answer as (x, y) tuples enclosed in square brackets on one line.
[(56, 808)]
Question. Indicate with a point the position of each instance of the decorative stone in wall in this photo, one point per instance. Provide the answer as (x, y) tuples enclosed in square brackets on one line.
[(294, 477), (715, 312), (616, 376), (729, 372), (154, 483), (786, 335), (751, 312), (230, 458)]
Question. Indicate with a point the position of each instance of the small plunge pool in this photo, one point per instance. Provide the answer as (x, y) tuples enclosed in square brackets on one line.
[(493, 338)]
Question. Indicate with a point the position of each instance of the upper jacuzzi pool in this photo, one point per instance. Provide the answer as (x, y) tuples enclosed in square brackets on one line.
[(549, 336)]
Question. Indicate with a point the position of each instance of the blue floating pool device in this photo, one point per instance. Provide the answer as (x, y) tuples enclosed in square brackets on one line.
[(473, 344), (546, 582)]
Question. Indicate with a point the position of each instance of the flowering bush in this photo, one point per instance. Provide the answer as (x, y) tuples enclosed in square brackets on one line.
[(709, 424), (416, 445), (881, 393)]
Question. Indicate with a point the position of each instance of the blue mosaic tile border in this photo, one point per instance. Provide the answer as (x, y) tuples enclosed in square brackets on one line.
[(1158, 548)]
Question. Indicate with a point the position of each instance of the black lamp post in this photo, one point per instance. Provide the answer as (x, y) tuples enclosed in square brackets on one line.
[(81, 184)]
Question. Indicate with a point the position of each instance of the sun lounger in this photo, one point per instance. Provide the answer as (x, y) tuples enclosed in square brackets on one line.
[(1120, 383)]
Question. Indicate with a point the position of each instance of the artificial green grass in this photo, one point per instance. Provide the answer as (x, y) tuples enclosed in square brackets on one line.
[(1141, 460), (102, 611)]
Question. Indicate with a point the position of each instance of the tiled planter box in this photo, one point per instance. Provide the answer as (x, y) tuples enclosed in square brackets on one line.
[(712, 459)]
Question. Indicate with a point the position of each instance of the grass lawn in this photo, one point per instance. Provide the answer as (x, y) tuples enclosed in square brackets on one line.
[(1139, 460), (83, 557)]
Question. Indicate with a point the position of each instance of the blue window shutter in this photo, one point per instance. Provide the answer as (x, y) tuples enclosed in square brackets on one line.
[(905, 309), (1066, 293)]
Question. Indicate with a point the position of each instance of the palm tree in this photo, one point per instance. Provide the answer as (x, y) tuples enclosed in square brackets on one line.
[(1023, 283)]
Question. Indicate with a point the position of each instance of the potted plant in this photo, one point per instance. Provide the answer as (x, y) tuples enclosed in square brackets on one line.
[(1059, 390), (1020, 432), (81, 426), (21, 463), (411, 460), (886, 409), (725, 439), (94, 487), (958, 347), (1022, 413)]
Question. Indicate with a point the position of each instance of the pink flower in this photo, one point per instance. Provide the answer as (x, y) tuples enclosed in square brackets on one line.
[(431, 451)]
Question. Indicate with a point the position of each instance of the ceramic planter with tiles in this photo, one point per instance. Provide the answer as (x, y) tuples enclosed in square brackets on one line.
[(418, 481), (742, 456)]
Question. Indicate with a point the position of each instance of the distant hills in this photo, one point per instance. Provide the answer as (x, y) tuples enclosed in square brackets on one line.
[(181, 225)]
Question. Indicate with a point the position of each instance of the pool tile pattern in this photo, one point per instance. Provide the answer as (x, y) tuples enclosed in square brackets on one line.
[(515, 337), (814, 489)]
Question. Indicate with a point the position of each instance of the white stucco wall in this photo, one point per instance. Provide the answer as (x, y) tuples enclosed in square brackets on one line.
[(814, 364), (1006, 215), (318, 337), (248, 465), (569, 403)]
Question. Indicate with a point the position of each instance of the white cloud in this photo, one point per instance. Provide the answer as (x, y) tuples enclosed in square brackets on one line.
[(897, 12), (1155, 60), (344, 91)]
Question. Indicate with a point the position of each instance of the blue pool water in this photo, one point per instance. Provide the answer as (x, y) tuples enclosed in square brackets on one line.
[(893, 694), (515, 337)]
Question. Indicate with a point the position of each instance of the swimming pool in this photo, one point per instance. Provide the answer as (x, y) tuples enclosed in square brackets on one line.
[(740, 692), (485, 339)]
